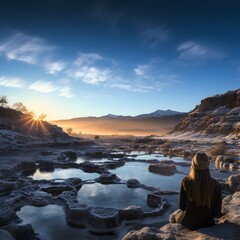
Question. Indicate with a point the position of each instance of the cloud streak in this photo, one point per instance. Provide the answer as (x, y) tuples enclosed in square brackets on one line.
[(64, 90), (92, 75), (142, 70), (43, 86), (31, 50), (154, 35), (87, 59), (14, 82), (24, 48), (54, 67), (86, 69), (194, 50)]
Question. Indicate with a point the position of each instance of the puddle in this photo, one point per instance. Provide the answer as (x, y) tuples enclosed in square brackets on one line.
[(113, 195), (49, 222), (63, 174), (140, 172), (93, 160), (109, 195)]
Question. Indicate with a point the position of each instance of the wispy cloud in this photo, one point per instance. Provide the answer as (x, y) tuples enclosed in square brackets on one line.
[(63, 88), (147, 77), (132, 86), (194, 50), (153, 81), (92, 75), (43, 86), (15, 82), (153, 35), (87, 59), (86, 69), (65, 91), (141, 70), (54, 67), (125, 86), (31, 50), (24, 48)]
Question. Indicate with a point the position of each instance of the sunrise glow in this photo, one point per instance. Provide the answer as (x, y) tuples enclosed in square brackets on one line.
[(36, 117)]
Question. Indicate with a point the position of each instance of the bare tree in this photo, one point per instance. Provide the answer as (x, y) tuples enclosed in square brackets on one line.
[(3, 101), (42, 116), (20, 107)]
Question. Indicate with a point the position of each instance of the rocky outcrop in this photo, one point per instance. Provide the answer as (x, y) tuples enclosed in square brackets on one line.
[(234, 182), (133, 183), (5, 235), (131, 213), (107, 178), (163, 168), (153, 200), (104, 219), (18, 130), (215, 115), (230, 208), (228, 227), (20, 232), (7, 186)]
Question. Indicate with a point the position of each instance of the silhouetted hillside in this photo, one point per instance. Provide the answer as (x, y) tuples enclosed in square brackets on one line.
[(18, 129)]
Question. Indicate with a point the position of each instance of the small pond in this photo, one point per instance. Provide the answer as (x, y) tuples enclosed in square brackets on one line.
[(140, 171), (63, 174), (113, 195), (49, 221)]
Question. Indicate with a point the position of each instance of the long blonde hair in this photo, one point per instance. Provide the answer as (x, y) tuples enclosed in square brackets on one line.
[(200, 188)]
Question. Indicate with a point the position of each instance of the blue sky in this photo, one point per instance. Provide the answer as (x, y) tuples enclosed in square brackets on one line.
[(70, 58)]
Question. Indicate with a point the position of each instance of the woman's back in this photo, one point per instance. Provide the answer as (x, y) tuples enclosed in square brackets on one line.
[(199, 215)]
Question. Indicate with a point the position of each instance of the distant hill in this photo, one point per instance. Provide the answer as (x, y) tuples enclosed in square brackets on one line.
[(158, 123), (18, 130), (219, 114), (159, 113)]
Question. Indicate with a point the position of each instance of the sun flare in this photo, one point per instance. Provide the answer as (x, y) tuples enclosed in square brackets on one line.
[(36, 116)]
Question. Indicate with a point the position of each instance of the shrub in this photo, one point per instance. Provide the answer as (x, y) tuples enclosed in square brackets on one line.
[(218, 149)]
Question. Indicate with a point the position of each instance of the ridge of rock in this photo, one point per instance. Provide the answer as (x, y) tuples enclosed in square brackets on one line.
[(218, 114)]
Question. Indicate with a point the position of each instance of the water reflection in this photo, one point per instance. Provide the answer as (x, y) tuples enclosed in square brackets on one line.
[(140, 171), (113, 195), (94, 160), (147, 156), (49, 222), (64, 174)]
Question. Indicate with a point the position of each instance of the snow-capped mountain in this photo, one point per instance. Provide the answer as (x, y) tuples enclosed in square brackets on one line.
[(158, 113)]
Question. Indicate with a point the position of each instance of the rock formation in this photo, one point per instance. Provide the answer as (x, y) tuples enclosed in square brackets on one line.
[(228, 227), (19, 130), (215, 115)]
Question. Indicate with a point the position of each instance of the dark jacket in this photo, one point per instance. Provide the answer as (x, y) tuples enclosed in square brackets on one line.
[(197, 217)]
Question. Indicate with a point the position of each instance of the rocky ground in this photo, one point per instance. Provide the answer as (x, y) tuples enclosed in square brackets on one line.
[(18, 190)]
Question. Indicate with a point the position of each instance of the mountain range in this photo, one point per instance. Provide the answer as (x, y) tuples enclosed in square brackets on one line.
[(156, 114), (158, 122)]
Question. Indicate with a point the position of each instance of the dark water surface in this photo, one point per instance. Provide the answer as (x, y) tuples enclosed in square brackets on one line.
[(49, 221)]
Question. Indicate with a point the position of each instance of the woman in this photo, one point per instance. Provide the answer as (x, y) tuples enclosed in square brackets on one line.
[(200, 197)]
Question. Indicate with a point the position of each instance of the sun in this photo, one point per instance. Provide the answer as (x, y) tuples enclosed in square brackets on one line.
[(36, 117)]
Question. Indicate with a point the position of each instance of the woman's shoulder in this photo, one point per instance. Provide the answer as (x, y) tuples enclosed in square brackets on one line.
[(186, 179), (185, 182)]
